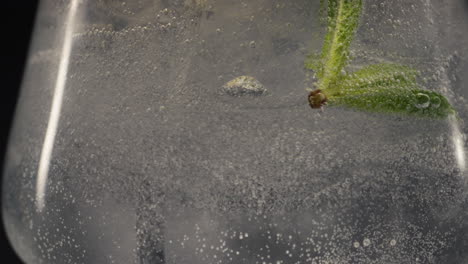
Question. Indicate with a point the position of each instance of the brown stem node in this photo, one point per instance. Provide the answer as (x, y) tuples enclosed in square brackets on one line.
[(317, 99)]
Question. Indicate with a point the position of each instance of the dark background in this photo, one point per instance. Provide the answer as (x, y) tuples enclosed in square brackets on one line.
[(17, 23)]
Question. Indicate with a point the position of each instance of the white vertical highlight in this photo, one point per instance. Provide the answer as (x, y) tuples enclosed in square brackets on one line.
[(457, 135), (51, 132), (458, 144)]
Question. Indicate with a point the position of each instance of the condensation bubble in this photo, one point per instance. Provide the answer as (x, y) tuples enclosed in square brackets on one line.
[(366, 242), (435, 102), (423, 101)]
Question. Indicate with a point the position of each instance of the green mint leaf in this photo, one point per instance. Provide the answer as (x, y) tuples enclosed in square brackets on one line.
[(343, 19), (381, 88), (380, 75), (394, 100)]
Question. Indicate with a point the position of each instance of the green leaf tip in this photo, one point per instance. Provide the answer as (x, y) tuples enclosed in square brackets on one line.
[(394, 100), (342, 21), (381, 88)]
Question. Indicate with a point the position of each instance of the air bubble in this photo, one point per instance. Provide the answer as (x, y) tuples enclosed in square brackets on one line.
[(423, 101), (366, 242), (435, 102)]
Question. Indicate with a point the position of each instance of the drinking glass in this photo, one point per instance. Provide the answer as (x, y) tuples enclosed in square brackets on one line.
[(179, 131)]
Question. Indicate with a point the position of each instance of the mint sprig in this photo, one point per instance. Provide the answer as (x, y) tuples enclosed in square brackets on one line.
[(381, 88)]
